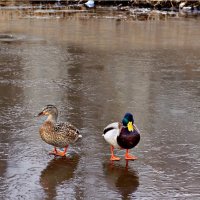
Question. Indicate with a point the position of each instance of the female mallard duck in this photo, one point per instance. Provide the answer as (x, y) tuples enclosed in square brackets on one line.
[(123, 135), (57, 134)]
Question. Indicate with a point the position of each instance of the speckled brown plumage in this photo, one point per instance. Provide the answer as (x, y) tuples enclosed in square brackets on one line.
[(60, 134), (57, 134)]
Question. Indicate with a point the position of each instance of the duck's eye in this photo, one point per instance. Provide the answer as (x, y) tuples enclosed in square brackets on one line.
[(125, 121)]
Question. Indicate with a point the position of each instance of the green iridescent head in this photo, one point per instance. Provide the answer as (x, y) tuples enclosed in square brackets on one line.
[(128, 121)]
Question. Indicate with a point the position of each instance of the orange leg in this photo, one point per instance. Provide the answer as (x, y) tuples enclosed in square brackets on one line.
[(54, 152), (113, 157), (129, 157)]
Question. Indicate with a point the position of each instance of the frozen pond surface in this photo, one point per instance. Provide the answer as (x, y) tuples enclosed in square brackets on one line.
[(94, 70)]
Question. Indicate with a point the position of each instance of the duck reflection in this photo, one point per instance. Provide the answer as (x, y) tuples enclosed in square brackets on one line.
[(122, 178), (57, 171)]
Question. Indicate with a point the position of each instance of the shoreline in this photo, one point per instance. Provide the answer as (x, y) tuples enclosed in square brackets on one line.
[(118, 12), (156, 4)]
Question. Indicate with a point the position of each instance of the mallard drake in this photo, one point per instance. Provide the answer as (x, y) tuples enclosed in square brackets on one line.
[(57, 134), (124, 135)]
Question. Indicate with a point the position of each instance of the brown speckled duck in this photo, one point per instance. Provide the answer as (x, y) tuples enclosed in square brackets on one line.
[(57, 134)]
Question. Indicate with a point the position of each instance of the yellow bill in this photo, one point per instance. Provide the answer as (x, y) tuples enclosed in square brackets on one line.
[(130, 126)]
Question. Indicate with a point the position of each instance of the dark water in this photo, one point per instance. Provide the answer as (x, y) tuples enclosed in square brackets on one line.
[(94, 70)]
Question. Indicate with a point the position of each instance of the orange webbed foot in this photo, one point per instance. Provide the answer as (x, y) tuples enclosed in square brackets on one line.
[(114, 158), (60, 153), (55, 152), (130, 157)]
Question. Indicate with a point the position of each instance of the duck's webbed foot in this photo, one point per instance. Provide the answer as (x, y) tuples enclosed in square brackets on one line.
[(129, 157), (59, 153), (113, 157)]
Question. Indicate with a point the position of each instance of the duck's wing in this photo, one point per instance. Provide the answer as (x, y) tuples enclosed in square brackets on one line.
[(111, 132), (65, 127), (112, 126), (67, 130)]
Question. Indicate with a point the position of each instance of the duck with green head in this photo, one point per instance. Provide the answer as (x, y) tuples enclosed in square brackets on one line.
[(124, 135)]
